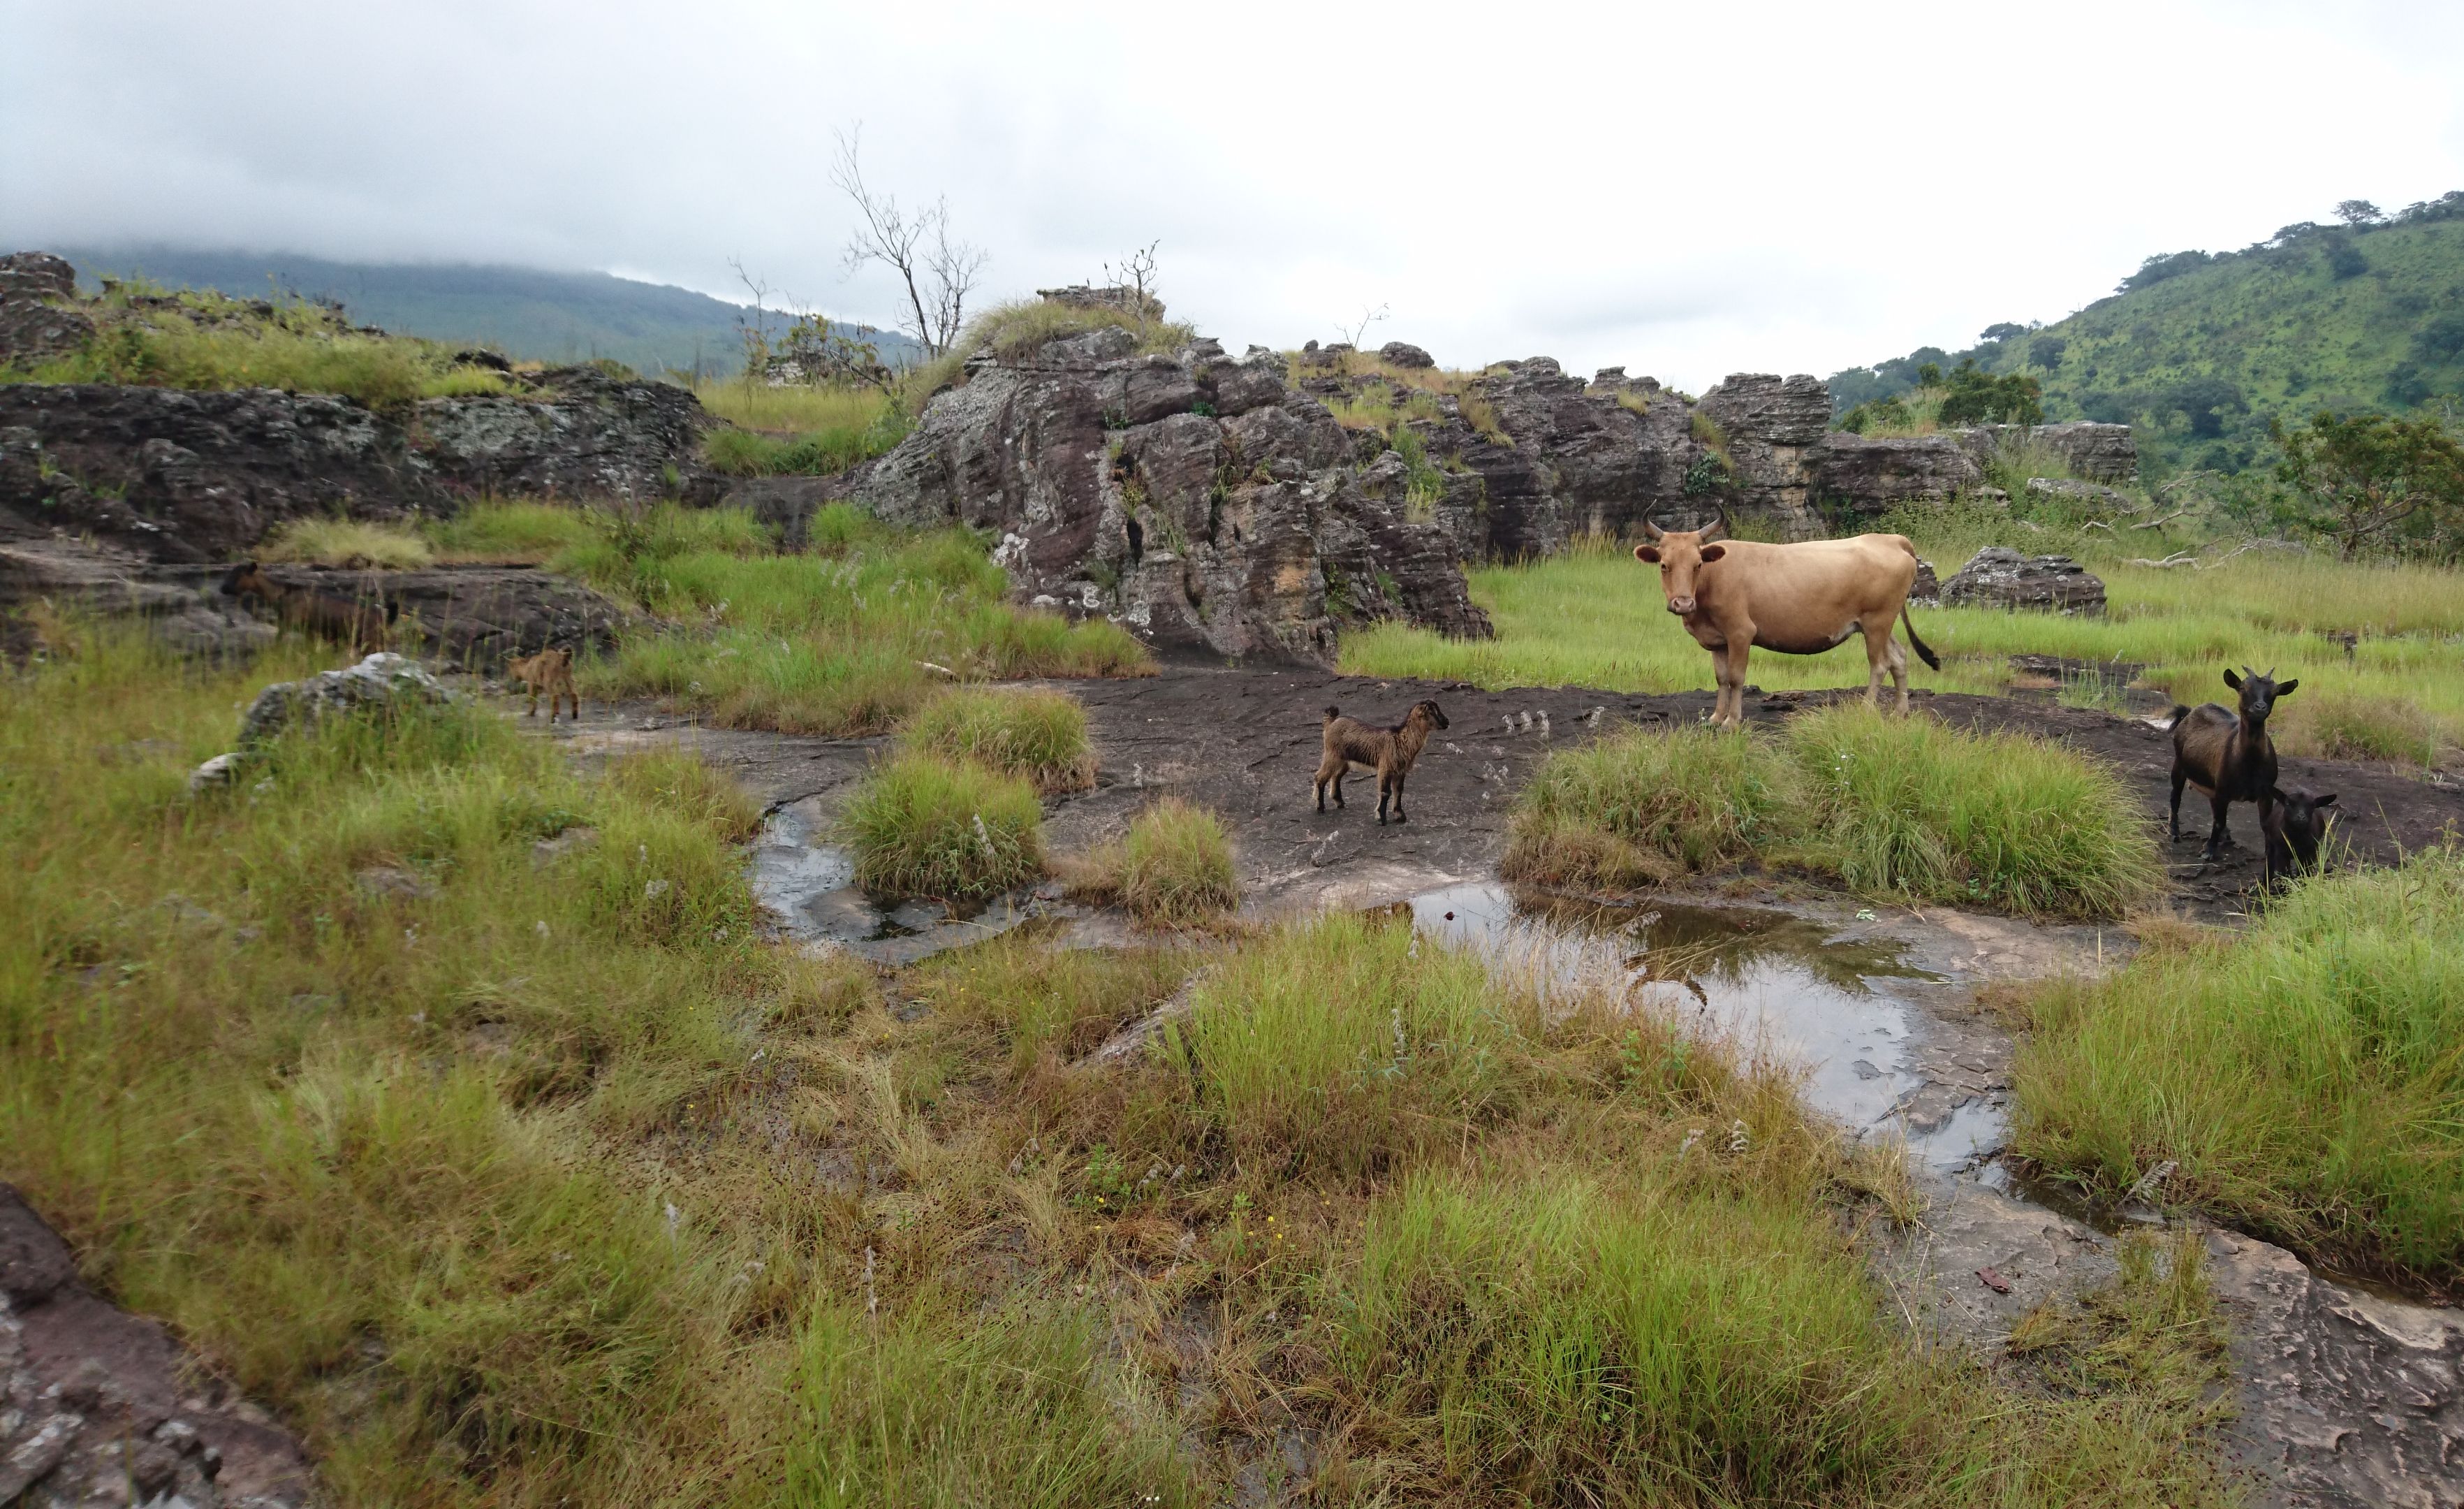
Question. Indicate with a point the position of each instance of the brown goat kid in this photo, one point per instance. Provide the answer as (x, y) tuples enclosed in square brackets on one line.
[(550, 670), (2295, 826), (1350, 743), (2228, 756), (363, 626)]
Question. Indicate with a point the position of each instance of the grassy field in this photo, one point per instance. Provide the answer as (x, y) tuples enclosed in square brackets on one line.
[(1595, 618), (512, 1180), (2303, 1079)]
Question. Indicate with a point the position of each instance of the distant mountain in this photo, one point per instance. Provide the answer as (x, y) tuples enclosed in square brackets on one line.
[(523, 312), (2198, 349)]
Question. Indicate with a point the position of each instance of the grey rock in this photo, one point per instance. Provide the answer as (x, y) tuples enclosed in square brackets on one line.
[(217, 773), (2001, 577), (1928, 587), (1402, 353), (381, 682), (548, 851), (36, 324), (383, 880), (2092, 494), (1852, 480), (2095, 453), (1771, 424), (584, 435)]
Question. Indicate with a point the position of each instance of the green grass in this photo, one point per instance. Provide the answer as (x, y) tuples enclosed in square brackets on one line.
[(1048, 1003), (398, 1164), (1639, 808), (357, 544), (214, 343), (799, 429), (923, 826), (1594, 617), (836, 639), (1896, 807), (1040, 735), (1174, 868), (2303, 1077), (1908, 808)]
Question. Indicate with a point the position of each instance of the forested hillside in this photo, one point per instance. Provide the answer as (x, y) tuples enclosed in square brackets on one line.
[(2200, 350), (524, 312)]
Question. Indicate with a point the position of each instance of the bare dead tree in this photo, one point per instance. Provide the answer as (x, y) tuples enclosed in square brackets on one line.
[(1136, 273), (1354, 333), (936, 272)]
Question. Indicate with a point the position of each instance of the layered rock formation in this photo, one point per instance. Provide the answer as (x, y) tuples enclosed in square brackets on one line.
[(2001, 577), (1196, 498)]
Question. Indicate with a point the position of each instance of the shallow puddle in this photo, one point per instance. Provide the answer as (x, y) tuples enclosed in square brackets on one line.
[(1840, 1011), (810, 888)]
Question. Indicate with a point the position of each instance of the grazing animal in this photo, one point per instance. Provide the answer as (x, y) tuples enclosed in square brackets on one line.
[(2228, 756), (361, 624), (2295, 826), (550, 670), (1348, 743), (1739, 595)]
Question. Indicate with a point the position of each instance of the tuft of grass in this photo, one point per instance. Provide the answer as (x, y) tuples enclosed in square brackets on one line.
[(2330, 722), (792, 408), (934, 1407), (923, 826), (1642, 807), (355, 544), (1039, 734), (1174, 867), (1906, 807), (2302, 1077), (1048, 1002), (509, 533)]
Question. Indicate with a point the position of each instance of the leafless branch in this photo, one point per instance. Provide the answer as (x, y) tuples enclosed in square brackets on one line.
[(936, 272), (1353, 334), (2159, 524)]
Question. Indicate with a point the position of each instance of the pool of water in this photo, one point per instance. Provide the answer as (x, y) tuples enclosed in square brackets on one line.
[(1841, 1011), (809, 888)]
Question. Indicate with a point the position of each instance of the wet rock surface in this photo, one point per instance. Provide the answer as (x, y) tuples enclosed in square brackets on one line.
[(101, 1406), (2001, 577)]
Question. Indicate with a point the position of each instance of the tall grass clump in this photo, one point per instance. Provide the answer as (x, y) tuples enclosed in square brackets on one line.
[(214, 343), (1909, 806), (496, 532), (2303, 1078), (1039, 734), (355, 544), (2339, 724), (1346, 1042), (934, 1407), (1042, 1000), (1173, 868), (924, 825), (1643, 807)]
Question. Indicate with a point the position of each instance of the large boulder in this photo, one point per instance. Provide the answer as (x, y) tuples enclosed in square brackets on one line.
[(582, 431), (383, 682), (1580, 461), (37, 322), (1852, 480), (1196, 499), (2001, 577)]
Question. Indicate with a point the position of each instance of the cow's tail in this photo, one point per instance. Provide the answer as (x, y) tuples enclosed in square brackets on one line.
[(1925, 652)]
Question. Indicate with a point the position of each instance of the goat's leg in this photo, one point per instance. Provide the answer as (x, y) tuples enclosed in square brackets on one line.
[(1381, 798), (533, 707), (2174, 823), (1399, 774), (2217, 837)]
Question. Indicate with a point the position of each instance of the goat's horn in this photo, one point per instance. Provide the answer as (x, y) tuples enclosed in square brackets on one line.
[(1650, 528)]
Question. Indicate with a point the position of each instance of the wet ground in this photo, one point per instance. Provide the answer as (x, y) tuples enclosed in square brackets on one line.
[(2347, 1398)]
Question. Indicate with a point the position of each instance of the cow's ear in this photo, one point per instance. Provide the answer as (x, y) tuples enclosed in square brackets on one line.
[(2232, 681), (1647, 553), (2328, 800), (1713, 552), (2285, 688)]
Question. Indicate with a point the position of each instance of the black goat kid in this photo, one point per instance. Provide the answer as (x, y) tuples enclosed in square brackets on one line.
[(2295, 826), (2228, 756)]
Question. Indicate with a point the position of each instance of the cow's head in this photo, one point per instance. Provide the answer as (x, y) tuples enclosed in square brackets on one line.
[(2259, 693), (1681, 554)]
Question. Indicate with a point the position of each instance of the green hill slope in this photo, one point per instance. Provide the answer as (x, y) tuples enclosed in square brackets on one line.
[(2199, 350), (523, 312)]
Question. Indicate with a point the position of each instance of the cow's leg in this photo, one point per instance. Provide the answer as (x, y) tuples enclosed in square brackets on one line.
[(1878, 659), (1899, 663), (1734, 684)]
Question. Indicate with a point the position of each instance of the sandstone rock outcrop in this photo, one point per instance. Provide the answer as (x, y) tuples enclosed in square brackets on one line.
[(2093, 453), (98, 1407), (1196, 498), (1854, 479), (1770, 424), (36, 324), (2001, 577)]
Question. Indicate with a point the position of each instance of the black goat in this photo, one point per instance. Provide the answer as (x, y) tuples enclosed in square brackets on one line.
[(1347, 742), (2228, 757), (2295, 826)]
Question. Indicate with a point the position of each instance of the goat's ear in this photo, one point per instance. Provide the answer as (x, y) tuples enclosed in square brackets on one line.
[(1646, 554), (1713, 552), (2232, 681), (2285, 688), (2328, 800)]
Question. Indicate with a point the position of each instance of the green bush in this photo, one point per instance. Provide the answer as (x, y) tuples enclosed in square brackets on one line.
[(1039, 734), (2303, 1077), (924, 826), (1173, 868)]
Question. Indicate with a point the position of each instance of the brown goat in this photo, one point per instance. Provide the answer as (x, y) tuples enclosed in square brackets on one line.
[(2228, 757), (1350, 743), (2295, 826), (550, 670), (359, 623)]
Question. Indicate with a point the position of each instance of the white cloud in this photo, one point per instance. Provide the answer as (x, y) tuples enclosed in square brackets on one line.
[(1683, 189)]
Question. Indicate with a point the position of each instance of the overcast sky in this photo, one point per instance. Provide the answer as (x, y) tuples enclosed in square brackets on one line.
[(1682, 189)]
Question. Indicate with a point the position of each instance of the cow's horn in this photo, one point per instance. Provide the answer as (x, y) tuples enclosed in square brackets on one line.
[(1650, 528), (1719, 526)]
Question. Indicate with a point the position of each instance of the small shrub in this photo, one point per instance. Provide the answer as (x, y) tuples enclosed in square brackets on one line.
[(354, 543), (1173, 868), (1908, 806), (924, 825), (1039, 734), (1642, 807)]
